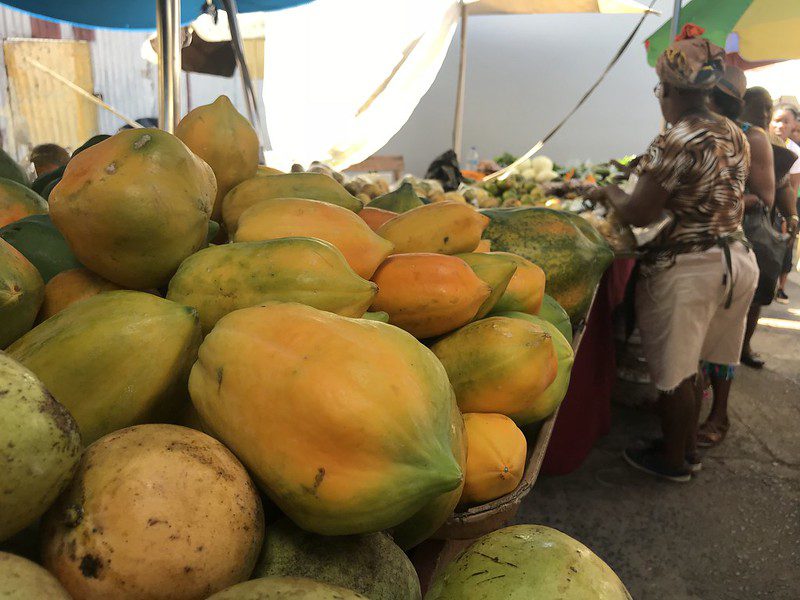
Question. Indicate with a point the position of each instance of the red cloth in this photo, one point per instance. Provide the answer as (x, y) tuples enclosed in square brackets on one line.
[(585, 414)]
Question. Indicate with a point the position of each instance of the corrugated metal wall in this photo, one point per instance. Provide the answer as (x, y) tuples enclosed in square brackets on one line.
[(122, 77)]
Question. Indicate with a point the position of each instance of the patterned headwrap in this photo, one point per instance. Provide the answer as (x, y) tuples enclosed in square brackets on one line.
[(691, 62)]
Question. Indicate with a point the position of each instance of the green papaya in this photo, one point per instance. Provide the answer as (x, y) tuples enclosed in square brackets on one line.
[(553, 312), (38, 240), (569, 250), (544, 404), (10, 169), (221, 279), (21, 294), (114, 360), (286, 588), (40, 450), (526, 562), (400, 200), (495, 270), (371, 564)]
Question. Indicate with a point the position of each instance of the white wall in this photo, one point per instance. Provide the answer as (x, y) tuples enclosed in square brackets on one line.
[(524, 73)]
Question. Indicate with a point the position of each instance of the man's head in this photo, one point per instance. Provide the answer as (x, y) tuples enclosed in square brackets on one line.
[(48, 157), (785, 120), (757, 107)]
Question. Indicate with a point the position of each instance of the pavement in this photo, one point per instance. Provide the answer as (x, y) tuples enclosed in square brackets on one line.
[(733, 533)]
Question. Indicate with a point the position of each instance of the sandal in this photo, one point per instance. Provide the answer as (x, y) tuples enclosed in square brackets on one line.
[(711, 434)]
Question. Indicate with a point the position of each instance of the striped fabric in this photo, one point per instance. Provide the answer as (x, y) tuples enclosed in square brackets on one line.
[(703, 162)]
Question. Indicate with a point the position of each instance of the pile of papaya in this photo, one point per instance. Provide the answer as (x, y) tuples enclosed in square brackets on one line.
[(223, 381)]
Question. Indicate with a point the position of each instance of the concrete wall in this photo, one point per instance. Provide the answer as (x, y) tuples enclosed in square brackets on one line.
[(524, 73)]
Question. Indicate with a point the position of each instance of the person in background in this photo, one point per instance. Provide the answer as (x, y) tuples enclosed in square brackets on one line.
[(728, 99), (48, 157), (785, 120), (697, 278), (758, 108)]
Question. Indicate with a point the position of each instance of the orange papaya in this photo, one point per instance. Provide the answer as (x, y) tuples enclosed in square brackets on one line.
[(496, 452), (498, 365), (223, 138), (441, 227), (18, 201), (341, 444), (134, 206), (375, 217), (69, 287), (277, 218), (525, 291), (428, 294)]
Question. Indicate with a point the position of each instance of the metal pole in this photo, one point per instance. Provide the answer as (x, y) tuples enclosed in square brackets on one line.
[(676, 20), (168, 25), (458, 123), (247, 83)]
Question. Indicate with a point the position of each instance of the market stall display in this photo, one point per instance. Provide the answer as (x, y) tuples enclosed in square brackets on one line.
[(324, 356)]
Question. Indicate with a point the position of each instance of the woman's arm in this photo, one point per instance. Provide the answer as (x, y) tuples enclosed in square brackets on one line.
[(761, 182), (640, 208)]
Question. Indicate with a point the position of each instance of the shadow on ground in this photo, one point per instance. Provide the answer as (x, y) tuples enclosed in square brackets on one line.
[(731, 534)]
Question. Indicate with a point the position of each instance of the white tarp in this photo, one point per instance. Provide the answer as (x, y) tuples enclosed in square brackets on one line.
[(341, 77)]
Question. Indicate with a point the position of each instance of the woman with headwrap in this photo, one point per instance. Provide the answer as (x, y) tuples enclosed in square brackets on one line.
[(697, 277)]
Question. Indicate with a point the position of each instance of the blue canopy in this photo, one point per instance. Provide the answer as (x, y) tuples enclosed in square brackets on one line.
[(128, 14)]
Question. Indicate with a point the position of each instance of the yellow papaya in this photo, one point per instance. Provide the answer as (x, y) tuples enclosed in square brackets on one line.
[(221, 279), (277, 218), (314, 186), (265, 171), (426, 521), (69, 287), (21, 294), (496, 271), (223, 138), (496, 452), (115, 359), (341, 444), (525, 291), (483, 246), (442, 227), (18, 201), (543, 405), (375, 217), (134, 206), (428, 294), (498, 365)]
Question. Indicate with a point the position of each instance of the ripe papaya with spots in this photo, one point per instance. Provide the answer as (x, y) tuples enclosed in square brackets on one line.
[(18, 201), (134, 206), (21, 294)]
